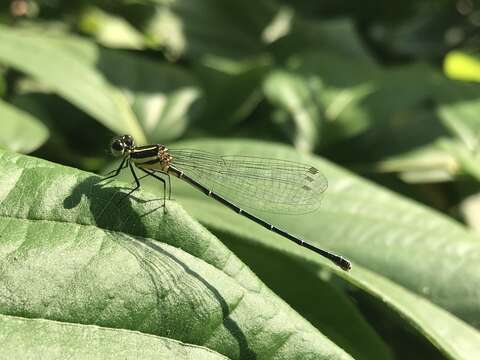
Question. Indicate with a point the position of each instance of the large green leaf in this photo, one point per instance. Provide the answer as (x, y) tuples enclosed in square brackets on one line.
[(20, 131), (69, 251), (404, 245), (446, 332), (46, 339)]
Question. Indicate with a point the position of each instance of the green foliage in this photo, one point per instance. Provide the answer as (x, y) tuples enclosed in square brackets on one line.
[(387, 93), (461, 66), (72, 253), (27, 338), (21, 132)]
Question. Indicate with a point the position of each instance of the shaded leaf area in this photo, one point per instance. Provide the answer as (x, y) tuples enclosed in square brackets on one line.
[(424, 143), (337, 36), (71, 252), (407, 143), (423, 31), (342, 315), (188, 28), (332, 98), (414, 247), (126, 93), (182, 29), (232, 91), (20, 132), (45, 339), (3, 84), (79, 146), (309, 289)]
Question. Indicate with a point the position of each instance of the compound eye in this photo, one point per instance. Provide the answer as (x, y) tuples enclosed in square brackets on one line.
[(117, 147), (128, 141)]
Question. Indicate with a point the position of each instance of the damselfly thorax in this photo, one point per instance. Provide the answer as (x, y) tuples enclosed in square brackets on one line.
[(151, 157)]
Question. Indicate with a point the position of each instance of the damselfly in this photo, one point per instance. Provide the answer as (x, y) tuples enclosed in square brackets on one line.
[(258, 183)]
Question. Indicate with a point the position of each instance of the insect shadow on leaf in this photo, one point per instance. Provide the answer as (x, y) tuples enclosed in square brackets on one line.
[(133, 236)]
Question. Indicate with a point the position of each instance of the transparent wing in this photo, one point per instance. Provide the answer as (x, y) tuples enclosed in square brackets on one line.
[(271, 185)]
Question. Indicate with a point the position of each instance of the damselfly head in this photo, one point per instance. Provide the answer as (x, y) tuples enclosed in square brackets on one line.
[(121, 145)]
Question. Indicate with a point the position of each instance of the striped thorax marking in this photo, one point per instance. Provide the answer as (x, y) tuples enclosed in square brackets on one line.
[(152, 157)]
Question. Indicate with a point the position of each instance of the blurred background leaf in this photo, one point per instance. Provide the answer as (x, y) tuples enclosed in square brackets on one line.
[(20, 131), (111, 31), (227, 29), (462, 66)]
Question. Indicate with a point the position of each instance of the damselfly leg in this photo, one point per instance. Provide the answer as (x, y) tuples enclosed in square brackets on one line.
[(135, 177), (151, 173), (114, 173), (168, 182), (127, 163)]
